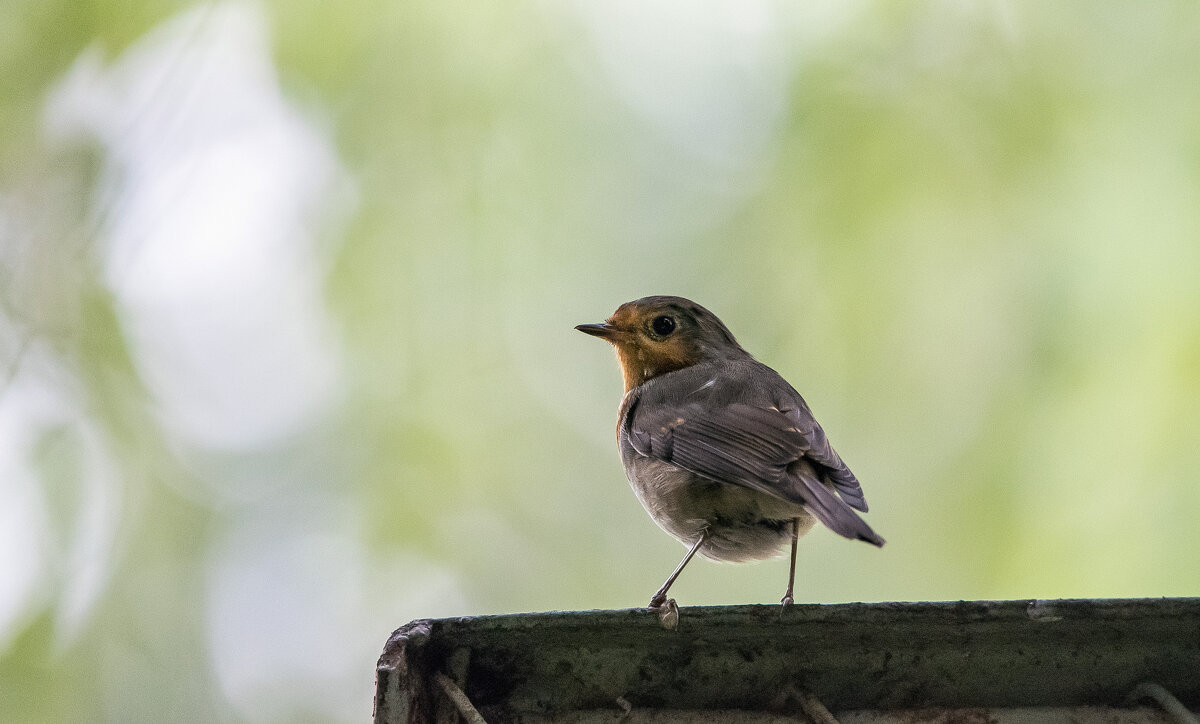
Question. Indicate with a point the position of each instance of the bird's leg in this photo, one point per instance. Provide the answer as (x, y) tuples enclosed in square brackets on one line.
[(787, 597), (661, 597)]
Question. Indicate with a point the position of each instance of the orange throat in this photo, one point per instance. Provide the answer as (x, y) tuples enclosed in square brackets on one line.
[(638, 365)]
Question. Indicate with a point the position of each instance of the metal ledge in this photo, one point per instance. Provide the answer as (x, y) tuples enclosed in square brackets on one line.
[(879, 662)]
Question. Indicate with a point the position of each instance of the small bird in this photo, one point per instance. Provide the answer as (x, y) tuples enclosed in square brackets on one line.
[(721, 451)]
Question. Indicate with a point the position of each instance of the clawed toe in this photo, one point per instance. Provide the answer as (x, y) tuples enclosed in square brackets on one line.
[(668, 614)]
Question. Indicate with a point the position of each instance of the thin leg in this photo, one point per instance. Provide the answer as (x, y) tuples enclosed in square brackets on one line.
[(787, 597), (661, 597)]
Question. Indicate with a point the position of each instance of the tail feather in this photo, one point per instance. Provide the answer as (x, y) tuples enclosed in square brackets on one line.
[(824, 503)]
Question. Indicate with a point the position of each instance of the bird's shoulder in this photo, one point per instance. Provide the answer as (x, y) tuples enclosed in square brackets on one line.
[(724, 398), (716, 385)]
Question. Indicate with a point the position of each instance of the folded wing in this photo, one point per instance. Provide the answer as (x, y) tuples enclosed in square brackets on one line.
[(761, 448)]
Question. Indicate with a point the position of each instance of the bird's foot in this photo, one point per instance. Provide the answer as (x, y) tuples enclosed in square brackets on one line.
[(668, 612), (784, 603)]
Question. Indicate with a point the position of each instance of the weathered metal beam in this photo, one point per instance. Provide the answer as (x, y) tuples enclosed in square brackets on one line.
[(878, 660)]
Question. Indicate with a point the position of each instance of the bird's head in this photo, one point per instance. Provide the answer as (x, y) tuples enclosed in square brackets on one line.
[(656, 335)]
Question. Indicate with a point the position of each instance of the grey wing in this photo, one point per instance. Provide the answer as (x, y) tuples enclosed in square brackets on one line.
[(822, 453), (755, 447)]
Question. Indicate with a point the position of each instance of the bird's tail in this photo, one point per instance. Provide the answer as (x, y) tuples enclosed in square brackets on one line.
[(824, 503)]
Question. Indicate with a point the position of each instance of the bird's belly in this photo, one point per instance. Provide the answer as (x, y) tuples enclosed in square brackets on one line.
[(744, 524)]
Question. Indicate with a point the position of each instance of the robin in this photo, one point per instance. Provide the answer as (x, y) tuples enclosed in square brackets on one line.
[(722, 452)]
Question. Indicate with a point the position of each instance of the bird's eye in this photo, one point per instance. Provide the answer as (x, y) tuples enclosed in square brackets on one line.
[(663, 325)]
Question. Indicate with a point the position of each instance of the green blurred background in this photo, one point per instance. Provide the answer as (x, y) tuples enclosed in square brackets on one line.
[(287, 292)]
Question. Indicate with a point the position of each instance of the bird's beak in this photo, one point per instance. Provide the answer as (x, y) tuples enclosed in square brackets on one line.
[(603, 331)]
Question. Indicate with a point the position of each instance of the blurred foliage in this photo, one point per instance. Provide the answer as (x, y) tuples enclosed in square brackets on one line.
[(968, 233)]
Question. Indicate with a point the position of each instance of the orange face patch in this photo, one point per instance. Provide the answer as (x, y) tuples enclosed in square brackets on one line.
[(644, 355)]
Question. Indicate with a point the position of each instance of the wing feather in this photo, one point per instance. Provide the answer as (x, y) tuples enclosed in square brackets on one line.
[(821, 452), (761, 448)]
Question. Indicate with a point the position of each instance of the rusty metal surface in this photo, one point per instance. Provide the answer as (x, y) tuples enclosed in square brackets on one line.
[(890, 662)]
